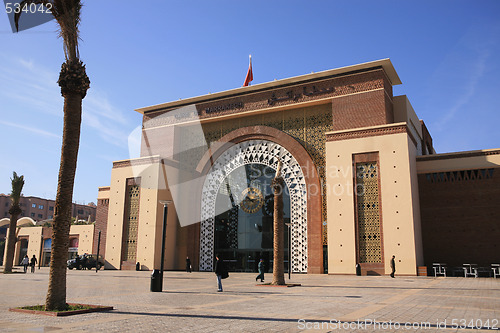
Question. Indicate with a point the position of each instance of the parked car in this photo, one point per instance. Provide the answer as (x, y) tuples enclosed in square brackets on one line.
[(85, 261)]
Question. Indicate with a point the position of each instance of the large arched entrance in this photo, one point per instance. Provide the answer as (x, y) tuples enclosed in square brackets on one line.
[(244, 218), (233, 163)]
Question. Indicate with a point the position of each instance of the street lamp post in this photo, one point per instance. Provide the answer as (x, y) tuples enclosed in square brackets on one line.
[(97, 255), (157, 278)]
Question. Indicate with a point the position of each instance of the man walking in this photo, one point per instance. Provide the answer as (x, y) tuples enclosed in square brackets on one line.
[(220, 271), (261, 271), (33, 263), (393, 266)]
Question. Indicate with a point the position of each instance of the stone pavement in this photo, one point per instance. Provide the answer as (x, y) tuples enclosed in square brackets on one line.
[(191, 303)]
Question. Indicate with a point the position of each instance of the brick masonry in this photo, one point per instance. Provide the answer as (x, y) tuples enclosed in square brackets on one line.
[(361, 110), (102, 225), (460, 219)]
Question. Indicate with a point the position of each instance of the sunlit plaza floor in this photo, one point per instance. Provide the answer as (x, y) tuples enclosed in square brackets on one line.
[(190, 303)]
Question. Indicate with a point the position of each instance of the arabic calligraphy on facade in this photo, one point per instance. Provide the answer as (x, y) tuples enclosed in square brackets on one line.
[(290, 95), (229, 106)]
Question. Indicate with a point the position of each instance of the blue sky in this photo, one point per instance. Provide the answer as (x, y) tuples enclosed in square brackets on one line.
[(447, 54)]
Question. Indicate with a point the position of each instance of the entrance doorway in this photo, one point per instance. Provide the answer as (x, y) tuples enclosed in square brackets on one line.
[(23, 249), (244, 229)]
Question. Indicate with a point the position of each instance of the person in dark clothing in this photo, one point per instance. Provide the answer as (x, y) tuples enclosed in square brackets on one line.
[(33, 263), (188, 265), (220, 271), (261, 271), (393, 266)]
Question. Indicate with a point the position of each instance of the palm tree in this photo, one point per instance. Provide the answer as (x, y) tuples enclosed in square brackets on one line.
[(278, 241), (14, 211), (74, 84)]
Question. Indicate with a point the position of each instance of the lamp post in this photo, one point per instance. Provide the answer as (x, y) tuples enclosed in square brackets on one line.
[(289, 225), (98, 247), (157, 277)]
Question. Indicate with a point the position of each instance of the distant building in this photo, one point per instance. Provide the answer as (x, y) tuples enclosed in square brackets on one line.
[(40, 209), (37, 240)]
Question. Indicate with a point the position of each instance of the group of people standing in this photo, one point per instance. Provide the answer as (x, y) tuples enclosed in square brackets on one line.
[(27, 262)]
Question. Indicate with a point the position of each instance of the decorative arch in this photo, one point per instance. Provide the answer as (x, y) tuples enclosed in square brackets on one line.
[(260, 152), (313, 255)]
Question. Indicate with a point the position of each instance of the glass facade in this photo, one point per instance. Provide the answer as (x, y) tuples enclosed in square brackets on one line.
[(244, 229)]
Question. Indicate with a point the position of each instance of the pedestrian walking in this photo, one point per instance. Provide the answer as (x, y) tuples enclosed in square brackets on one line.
[(33, 263), (393, 266), (261, 271), (25, 263), (188, 265), (221, 272)]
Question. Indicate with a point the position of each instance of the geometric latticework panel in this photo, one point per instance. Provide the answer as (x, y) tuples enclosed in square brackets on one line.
[(306, 125), (367, 188), (232, 232), (256, 152), (324, 233), (129, 252)]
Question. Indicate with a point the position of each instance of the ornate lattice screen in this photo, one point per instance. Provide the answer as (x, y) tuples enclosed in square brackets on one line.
[(307, 125), (129, 252), (367, 198)]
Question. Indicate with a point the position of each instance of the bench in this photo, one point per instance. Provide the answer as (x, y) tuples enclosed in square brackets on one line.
[(439, 269), (496, 270), (470, 270)]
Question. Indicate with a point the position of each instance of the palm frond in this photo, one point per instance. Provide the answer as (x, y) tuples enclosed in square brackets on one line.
[(17, 187), (67, 15)]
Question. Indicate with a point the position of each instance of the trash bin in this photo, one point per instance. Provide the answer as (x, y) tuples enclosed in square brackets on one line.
[(156, 281), (138, 266), (358, 269)]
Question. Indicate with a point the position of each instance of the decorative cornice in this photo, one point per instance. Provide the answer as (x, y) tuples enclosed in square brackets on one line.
[(137, 161), (369, 132), (447, 156), (385, 64), (104, 188)]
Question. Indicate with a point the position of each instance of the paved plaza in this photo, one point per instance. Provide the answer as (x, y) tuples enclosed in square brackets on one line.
[(191, 303)]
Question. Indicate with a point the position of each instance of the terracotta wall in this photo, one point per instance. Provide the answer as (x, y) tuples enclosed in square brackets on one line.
[(459, 212)]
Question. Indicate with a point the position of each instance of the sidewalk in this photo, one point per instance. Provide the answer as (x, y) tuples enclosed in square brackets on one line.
[(191, 303)]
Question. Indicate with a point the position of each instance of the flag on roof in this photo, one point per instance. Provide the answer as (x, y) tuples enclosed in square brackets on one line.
[(249, 76)]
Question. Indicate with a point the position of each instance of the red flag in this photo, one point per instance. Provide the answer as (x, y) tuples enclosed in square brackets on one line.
[(249, 76)]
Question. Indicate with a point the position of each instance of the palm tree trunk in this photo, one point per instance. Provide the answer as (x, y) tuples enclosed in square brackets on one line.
[(56, 295), (278, 257), (11, 245)]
